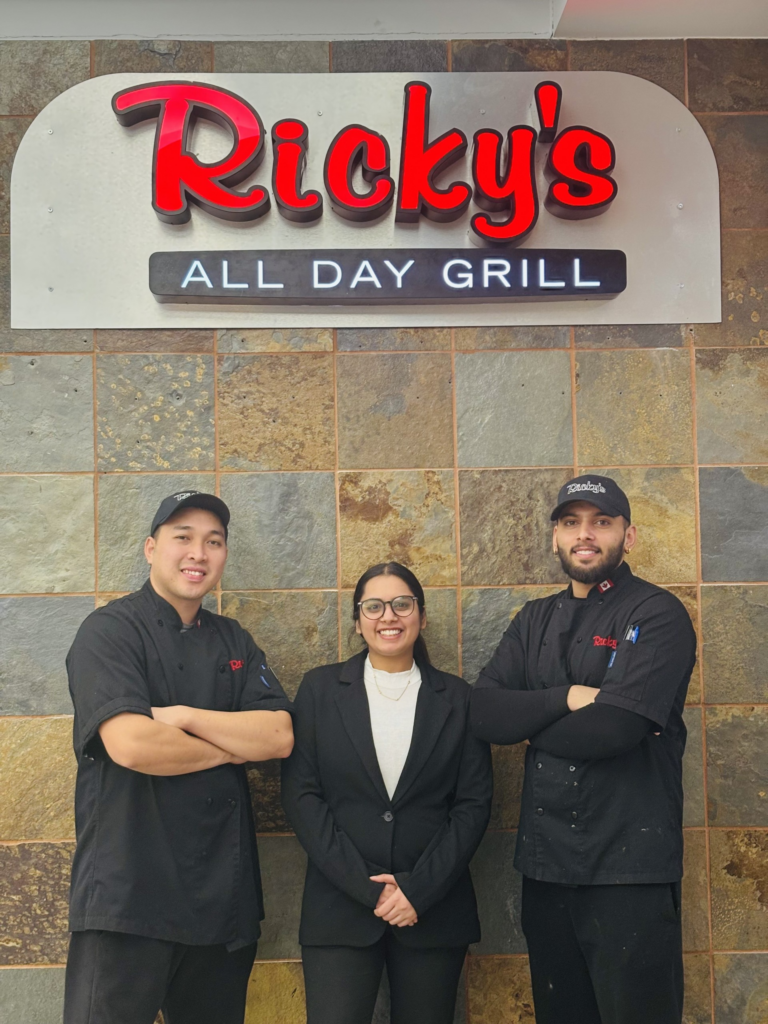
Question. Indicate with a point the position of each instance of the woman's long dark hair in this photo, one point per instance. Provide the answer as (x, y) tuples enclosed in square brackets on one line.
[(420, 653)]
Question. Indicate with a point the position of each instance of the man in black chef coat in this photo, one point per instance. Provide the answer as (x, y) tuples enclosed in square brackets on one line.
[(595, 679), (170, 702)]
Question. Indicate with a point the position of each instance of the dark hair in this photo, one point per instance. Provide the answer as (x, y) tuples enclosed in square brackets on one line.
[(420, 653)]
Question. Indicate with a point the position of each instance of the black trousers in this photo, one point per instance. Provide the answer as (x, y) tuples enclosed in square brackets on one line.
[(342, 982), (604, 954), (112, 978)]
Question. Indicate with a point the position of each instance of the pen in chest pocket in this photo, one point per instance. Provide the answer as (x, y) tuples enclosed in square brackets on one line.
[(632, 633)]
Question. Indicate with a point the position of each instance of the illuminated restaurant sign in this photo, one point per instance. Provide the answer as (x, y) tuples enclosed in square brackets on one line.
[(367, 199)]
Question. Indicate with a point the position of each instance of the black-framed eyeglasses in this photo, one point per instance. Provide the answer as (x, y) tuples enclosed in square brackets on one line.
[(374, 607)]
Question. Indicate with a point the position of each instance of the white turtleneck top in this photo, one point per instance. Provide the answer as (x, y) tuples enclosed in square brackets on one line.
[(392, 718)]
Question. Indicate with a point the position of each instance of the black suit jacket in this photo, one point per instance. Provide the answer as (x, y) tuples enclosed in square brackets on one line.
[(335, 798)]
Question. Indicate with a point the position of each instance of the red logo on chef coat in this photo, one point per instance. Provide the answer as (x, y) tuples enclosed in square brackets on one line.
[(579, 164), (234, 665), (605, 641)]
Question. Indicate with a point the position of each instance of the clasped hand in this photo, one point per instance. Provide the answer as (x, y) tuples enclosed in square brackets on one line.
[(393, 904)]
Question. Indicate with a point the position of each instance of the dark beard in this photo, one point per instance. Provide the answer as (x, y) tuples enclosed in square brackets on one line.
[(610, 560)]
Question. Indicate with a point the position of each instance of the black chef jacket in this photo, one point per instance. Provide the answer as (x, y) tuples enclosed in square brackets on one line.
[(169, 857), (617, 820)]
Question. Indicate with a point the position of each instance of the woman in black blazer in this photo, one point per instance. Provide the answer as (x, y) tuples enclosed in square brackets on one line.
[(389, 793)]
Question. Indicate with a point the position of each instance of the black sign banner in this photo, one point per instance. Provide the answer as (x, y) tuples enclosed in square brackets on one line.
[(370, 277)]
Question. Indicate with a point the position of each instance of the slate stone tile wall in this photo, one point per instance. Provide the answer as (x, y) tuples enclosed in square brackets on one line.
[(442, 448)]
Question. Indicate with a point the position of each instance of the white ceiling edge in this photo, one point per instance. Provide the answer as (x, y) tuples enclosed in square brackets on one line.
[(663, 19), (284, 20)]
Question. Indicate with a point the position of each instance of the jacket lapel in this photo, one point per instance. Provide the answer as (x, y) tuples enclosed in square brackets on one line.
[(352, 703), (432, 710)]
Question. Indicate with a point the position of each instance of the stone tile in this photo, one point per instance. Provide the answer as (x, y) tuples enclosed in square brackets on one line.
[(11, 133), (181, 340), (739, 879), (741, 986), (394, 339), (663, 508), (297, 630), (508, 771), (127, 505), (633, 336), (283, 866), (34, 896), (727, 75), (737, 765), (150, 55), (31, 341), (46, 414), (509, 55), (740, 142), (485, 614), (35, 635), (506, 534), (689, 597), (48, 534), (275, 994), (264, 785), (32, 995), (37, 778), (389, 55), (276, 412), (499, 991), (659, 60), (266, 339), (744, 292), (732, 405), (288, 533), (697, 1002), (734, 534), (395, 411), (440, 635), (694, 895), (271, 57), (33, 72), (406, 517), (514, 409), (155, 412), (693, 770), (649, 397), (735, 649), (472, 339), (498, 887)]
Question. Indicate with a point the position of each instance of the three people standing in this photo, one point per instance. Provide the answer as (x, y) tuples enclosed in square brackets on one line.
[(388, 789)]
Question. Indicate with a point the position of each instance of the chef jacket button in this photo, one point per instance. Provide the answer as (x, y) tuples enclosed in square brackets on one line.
[(222, 669), (180, 666), (232, 803), (600, 601), (559, 604), (572, 768), (539, 810), (388, 816), (159, 622), (538, 764), (573, 826), (209, 801), (574, 814), (578, 639), (544, 644)]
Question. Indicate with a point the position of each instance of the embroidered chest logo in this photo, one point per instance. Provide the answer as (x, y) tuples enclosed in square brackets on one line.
[(605, 585), (605, 641), (234, 665)]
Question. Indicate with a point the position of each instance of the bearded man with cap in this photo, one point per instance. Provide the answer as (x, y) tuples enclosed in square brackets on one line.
[(594, 679), (171, 701)]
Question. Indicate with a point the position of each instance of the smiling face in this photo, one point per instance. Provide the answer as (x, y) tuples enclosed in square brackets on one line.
[(391, 638), (589, 543), (187, 557)]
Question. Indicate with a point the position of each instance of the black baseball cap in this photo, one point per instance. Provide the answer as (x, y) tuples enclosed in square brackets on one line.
[(600, 491), (190, 499)]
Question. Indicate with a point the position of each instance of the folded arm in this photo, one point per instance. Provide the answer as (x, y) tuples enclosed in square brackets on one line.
[(248, 735), (155, 748), (593, 733)]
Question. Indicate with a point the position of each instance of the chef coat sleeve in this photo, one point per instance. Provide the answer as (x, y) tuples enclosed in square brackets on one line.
[(593, 733), (107, 676), (328, 847), (262, 690), (650, 670), (502, 708)]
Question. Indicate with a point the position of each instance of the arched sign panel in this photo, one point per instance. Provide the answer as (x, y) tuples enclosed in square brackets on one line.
[(145, 201)]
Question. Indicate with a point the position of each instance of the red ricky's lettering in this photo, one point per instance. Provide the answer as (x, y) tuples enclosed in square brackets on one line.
[(605, 641), (234, 665), (580, 164)]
